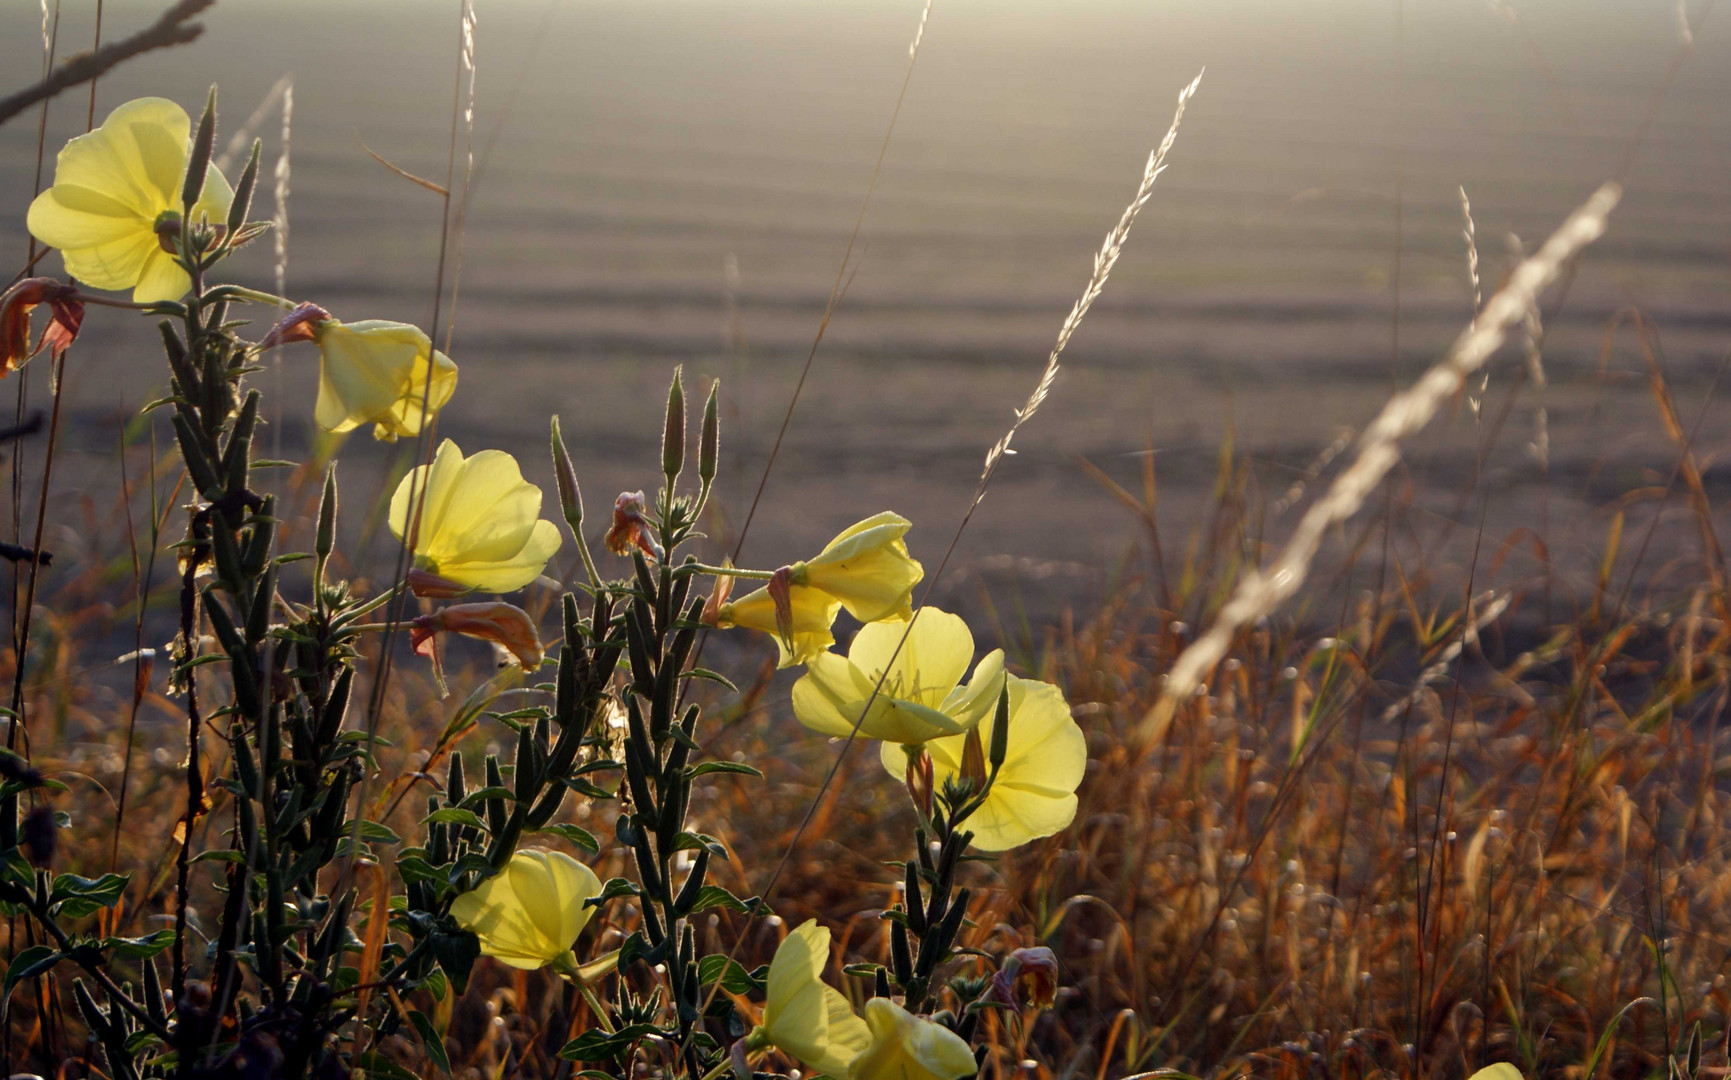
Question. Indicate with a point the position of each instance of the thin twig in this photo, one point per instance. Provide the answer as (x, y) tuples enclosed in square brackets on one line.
[(170, 28)]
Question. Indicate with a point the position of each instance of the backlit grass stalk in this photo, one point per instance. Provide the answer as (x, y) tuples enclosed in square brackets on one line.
[(1261, 591)]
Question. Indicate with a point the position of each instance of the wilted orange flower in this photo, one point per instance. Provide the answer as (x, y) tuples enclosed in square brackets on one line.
[(16, 306), (505, 625), (630, 528)]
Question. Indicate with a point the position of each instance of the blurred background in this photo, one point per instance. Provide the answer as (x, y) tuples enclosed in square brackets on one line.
[(674, 183)]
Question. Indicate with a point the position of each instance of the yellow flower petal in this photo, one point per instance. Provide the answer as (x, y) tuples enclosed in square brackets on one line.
[(814, 613), (905, 1047), (376, 372), (480, 523), (920, 698), (110, 186), (930, 662), (803, 1016), (831, 694), (529, 914), (1045, 759), (867, 568)]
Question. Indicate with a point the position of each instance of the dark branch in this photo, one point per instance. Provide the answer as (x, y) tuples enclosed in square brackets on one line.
[(19, 553), (31, 425), (171, 28)]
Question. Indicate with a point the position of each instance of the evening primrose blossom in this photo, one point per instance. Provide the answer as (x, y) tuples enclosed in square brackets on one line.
[(1034, 794), (370, 372), (905, 1047), (528, 915), (376, 372), (480, 521), (865, 569), (113, 188), (923, 696), (805, 1017)]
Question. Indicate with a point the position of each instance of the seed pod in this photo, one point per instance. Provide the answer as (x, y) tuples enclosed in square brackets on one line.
[(1001, 727), (495, 807), (198, 162), (327, 528), (673, 435), (570, 493), (709, 440), (901, 962), (688, 893), (454, 791), (259, 540), (198, 466), (258, 619), (237, 210), (526, 776), (916, 903)]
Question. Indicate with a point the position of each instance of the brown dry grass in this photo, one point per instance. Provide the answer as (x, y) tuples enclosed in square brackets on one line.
[(1368, 849)]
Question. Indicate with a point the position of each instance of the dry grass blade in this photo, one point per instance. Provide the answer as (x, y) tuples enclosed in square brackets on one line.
[(243, 135), (1407, 412), (1104, 260), (437, 189)]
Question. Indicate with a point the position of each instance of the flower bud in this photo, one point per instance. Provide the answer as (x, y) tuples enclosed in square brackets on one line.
[(973, 769)]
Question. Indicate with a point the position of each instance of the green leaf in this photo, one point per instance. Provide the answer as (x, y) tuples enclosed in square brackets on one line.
[(431, 1039), (27, 965), (690, 841), (227, 855), (734, 978), (413, 868), (456, 954), (77, 896), (574, 835), (373, 832), (380, 1066), (712, 676), (702, 767), (139, 948), (476, 798), (455, 815), (585, 788), (598, 1045), (711, 896), (615, 887)]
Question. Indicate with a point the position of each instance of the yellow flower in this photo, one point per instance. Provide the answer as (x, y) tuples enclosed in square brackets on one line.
[(905, 1047), (1045, 757), (111, 187), (480, 520), (528, 915), (375, 372), (801, 629), (803, 1016), (923, 696), (1502, 1070), (866, 569)]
